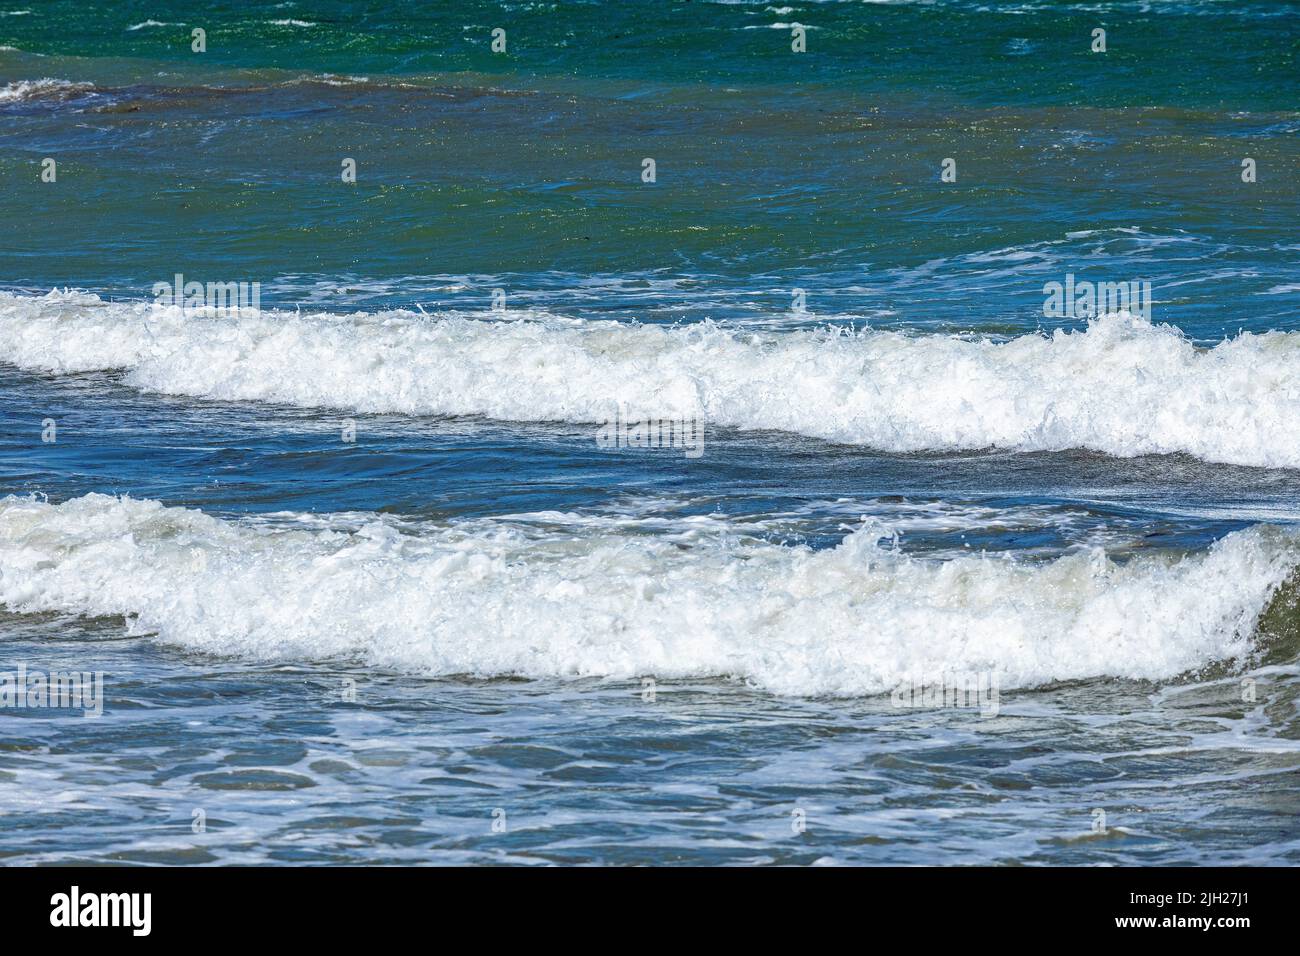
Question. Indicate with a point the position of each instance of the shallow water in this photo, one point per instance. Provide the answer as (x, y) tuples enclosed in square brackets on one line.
[(433, 643), (587, 771)]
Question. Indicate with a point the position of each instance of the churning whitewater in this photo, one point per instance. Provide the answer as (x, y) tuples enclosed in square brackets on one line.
[(492, 598), (1123, 386)]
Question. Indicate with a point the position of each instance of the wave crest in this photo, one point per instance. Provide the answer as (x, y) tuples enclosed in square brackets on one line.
[(492, 598), (48, 88), (1122, 386)]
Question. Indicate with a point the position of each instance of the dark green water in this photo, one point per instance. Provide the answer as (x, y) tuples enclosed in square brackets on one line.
[(819, 170)]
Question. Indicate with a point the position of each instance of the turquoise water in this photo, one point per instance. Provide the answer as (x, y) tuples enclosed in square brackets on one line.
[(374, 650)]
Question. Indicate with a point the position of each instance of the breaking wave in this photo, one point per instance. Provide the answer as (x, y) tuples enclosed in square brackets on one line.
[(1122, 386), (496, 597)]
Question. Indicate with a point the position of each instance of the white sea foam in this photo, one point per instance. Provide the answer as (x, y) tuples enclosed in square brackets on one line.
[(1122, 386), (497, 598), (47, 88), (146, 24)]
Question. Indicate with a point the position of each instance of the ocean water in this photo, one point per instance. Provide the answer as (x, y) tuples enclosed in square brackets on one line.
[(361, 578)]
